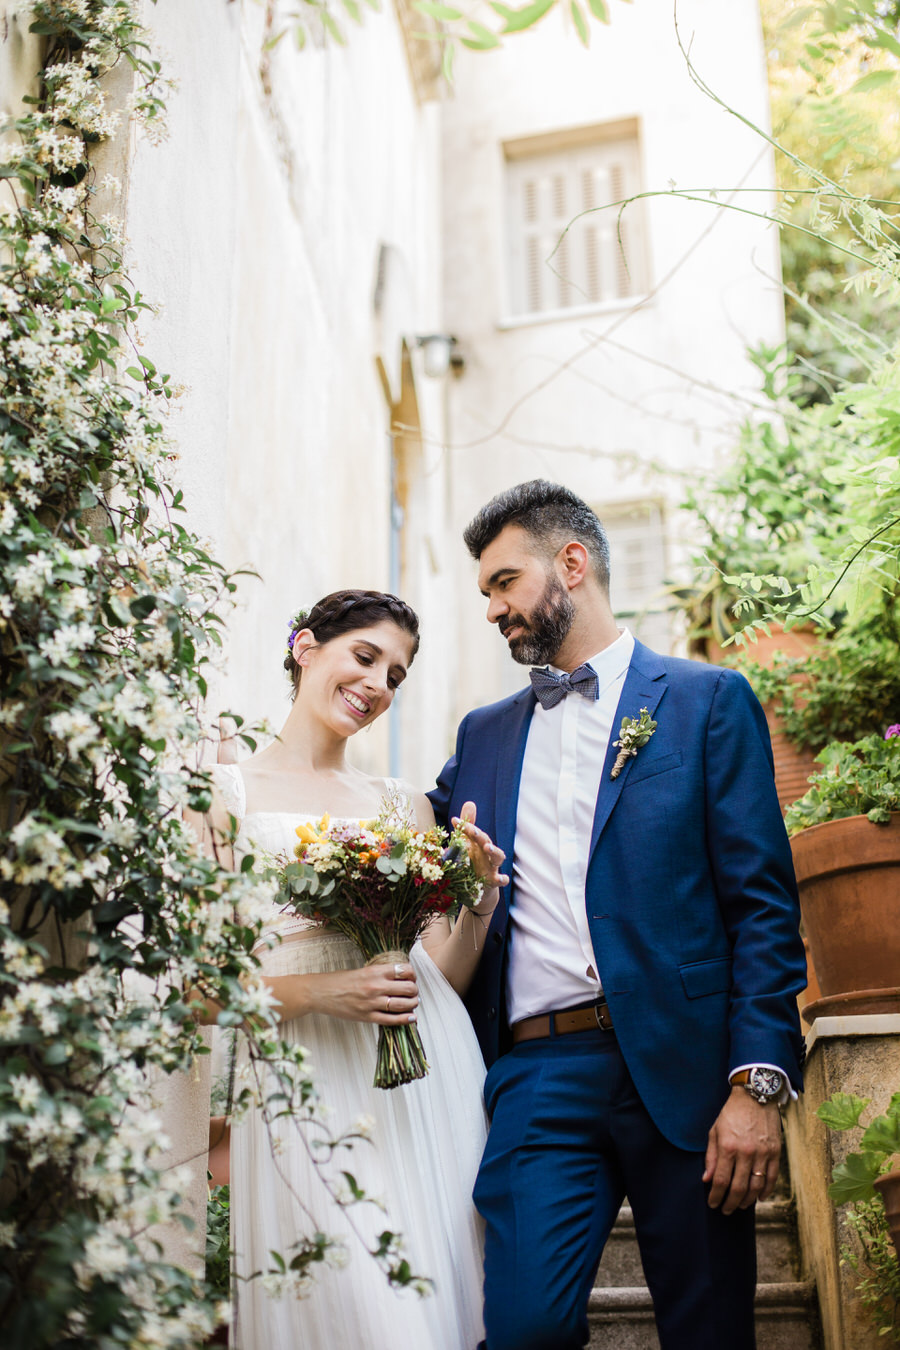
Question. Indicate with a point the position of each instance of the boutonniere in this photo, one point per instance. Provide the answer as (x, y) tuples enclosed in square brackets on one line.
[(634, 732)]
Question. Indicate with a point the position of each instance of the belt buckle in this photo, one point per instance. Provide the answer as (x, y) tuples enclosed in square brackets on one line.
[(601, 1013)]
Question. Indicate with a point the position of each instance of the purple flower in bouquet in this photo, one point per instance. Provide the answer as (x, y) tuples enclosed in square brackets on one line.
[(380, 883)]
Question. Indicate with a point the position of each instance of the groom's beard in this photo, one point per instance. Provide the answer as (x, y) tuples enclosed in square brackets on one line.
[(547, 628)]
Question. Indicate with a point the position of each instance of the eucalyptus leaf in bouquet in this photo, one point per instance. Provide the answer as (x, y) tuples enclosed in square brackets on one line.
[(380, 883)]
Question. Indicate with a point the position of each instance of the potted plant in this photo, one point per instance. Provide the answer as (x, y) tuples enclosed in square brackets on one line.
[(869, 1181), (845, 838)]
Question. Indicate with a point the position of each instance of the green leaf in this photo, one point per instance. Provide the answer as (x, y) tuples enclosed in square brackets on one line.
[(580, 22), (437, 11), (520, 19), (448, 56), (882, 1136), (852, 1180), (330, 26), (484, 39), (353, 10), (876, 79), (142, 605), (886, 41), (842, 1111), (599, 10)]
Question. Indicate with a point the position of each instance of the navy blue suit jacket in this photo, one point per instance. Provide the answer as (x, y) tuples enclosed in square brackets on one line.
[(690, 893)]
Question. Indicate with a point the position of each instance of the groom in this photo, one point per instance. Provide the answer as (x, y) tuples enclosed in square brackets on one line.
[(636, 1002)]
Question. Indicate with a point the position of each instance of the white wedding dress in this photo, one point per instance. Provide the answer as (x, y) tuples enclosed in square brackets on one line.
[(425, 1150)]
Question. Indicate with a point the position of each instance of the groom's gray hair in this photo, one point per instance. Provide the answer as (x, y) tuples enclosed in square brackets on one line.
[(550, 514)]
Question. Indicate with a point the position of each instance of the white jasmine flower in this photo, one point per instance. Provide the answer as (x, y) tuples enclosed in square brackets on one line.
[(26, 1091), (337, 1256)]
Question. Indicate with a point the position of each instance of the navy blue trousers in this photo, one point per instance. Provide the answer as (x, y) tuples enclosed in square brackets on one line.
[(569, 1139)]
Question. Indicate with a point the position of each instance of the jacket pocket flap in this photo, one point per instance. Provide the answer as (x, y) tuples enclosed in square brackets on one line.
[(654, 766), (706, 977)]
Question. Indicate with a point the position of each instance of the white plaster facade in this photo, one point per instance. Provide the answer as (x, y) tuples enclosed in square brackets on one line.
[(603, 396), (289, 184)]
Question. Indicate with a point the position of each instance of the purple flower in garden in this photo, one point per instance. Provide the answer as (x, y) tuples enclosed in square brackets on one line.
[(892, 731)]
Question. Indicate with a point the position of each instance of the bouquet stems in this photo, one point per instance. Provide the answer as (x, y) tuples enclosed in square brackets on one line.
[(401, 1054)]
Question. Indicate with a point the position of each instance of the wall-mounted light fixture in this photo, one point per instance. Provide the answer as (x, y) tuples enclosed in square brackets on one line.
[(439, 354)]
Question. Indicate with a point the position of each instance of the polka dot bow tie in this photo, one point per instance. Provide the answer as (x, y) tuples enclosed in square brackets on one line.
[(551, 688)]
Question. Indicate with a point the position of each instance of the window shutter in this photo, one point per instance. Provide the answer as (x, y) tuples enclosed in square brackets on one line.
[(556, 202), (637, 545)]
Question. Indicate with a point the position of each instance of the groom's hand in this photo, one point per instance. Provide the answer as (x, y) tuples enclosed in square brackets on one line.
[(743, 1152), (484, 854)]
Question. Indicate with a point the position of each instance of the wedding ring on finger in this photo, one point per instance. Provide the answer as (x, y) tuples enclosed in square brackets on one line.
[(388, 1008)]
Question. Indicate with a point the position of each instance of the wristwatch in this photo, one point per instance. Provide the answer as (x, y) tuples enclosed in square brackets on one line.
[(764, 1085)]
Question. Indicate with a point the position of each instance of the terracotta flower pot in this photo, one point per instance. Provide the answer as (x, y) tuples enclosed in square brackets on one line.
[(888, 1187), (793, 763), (848, 872)]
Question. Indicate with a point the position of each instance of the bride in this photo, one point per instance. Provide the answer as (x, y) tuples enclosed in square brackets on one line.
[(346, 658)]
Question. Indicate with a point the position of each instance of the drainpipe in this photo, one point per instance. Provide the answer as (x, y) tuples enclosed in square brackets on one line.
[(396, 531)]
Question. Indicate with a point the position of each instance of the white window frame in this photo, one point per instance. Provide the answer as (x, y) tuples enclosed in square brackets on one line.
[(573, 169)]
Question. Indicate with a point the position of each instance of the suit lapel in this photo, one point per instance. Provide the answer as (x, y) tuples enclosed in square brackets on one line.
[(512, 735), (643, 688)]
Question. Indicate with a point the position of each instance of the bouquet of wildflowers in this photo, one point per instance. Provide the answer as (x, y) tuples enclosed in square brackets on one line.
[(380, 883)]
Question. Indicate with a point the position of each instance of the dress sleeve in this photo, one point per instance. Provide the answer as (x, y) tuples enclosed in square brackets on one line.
[(230, 784)]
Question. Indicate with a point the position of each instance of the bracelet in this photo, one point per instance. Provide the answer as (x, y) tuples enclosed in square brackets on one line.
[(485, 913)]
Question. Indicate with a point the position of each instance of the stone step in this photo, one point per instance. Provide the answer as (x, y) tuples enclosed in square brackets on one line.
[(775, 1246), (786, 1318)]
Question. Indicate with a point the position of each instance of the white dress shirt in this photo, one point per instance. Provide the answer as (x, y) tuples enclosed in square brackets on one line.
[(551, 959)]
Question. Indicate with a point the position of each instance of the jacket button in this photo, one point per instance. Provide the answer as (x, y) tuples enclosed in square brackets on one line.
[(492, 1012), (498, 938)]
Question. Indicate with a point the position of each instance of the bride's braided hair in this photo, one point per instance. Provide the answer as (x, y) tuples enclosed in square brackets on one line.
[(343, 612)]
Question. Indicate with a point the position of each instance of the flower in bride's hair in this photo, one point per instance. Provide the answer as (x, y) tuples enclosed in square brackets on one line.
[(296, 625)]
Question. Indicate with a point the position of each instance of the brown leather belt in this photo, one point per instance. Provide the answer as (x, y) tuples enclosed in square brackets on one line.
[(572, 1019)]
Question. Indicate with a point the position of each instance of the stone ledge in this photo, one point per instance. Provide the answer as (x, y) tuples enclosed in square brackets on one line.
[(768, 1213), (872, 1024), (771, 1300)]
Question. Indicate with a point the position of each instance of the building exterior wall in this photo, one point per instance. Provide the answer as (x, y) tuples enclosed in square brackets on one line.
[(259, 226), (604, 398)]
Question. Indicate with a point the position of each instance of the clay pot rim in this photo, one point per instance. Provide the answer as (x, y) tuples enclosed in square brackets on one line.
[(831, 846), (809, 830), (851, 1003)]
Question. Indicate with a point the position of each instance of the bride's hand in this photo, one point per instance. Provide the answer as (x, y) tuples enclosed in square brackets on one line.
[(484, 854), (386, 994)]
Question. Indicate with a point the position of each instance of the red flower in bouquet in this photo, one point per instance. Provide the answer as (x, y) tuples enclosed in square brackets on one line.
[(380, 883)]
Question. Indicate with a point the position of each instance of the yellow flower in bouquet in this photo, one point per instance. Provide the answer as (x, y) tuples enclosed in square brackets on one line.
[(380, 882)]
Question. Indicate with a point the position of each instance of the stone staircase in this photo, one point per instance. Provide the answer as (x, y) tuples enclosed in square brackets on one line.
[(621, 1314)]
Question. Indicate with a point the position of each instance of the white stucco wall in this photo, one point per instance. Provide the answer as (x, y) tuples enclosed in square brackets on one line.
[(258, 225), (575, 398)]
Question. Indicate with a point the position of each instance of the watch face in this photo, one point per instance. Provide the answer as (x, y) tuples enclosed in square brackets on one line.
[(765, 1082)]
